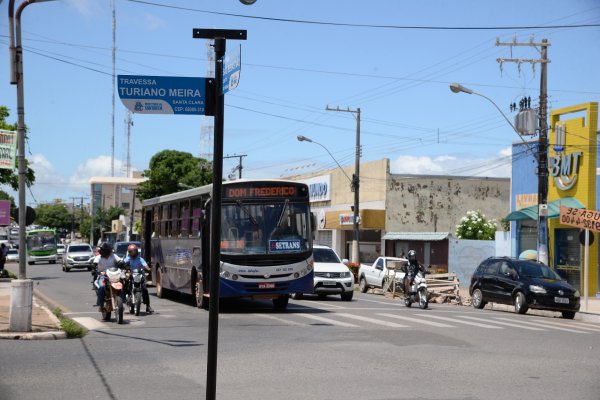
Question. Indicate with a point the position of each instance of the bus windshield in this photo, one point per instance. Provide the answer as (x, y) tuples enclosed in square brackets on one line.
[(265, 228), (41, 241)]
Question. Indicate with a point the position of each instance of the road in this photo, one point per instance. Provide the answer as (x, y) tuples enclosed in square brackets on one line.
[(370, 348)]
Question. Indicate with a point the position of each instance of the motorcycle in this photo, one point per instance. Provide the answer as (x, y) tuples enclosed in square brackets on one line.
[(113, 284), (417, 293), (135, 280)]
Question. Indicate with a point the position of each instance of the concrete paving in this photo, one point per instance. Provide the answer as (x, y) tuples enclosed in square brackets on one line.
[(44, 324)]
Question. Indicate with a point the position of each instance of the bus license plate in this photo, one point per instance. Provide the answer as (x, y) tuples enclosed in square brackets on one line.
[(266, 286), (562, 300)]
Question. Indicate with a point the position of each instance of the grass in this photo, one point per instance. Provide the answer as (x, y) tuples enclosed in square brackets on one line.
[(71, 328)]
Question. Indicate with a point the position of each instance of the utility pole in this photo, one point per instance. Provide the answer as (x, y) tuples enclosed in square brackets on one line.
[(81, 198), (355, 186), (129, 123), (239, 167), (114, 51), (131, 216), (542, 170)]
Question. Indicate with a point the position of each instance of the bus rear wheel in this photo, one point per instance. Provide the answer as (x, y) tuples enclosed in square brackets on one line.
[(201, 300)]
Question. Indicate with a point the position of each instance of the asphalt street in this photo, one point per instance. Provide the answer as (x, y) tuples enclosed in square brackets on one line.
[(369, 348)]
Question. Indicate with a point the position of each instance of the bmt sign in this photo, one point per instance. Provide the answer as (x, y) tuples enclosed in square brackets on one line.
[(565, 169)]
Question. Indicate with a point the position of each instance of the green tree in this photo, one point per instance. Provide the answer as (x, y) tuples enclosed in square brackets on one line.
[(8, 176), (53, 215), (172, 171), (474, 226)]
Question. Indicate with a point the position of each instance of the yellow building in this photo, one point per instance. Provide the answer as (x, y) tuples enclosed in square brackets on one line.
[(572, 162)]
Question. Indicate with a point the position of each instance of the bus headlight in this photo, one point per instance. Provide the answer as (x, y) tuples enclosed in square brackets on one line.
[(234, 277), (296, 275), (310, 265), (226, 275)]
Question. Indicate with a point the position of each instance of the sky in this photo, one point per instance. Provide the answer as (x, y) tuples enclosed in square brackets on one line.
[(291, 71)]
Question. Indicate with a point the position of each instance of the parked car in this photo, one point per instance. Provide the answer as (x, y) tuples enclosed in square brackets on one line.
[(523, 283), (375, 275), (332, 276), (12, 255), (120, 248), (78, 256), (60, 249)]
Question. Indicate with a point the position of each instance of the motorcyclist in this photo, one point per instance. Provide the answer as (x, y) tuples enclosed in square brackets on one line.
[(104, 260), (411, 269), (134, 260)]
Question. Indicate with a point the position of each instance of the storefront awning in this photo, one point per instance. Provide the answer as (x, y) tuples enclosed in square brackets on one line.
[(417, 236), (553, 209)]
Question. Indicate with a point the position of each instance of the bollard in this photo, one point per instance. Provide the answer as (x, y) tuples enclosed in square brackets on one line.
[(21, 297)]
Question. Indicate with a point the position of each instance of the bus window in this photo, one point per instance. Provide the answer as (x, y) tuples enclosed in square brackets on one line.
[(185, 218), (196, 216), (174, 220), (164, 222)]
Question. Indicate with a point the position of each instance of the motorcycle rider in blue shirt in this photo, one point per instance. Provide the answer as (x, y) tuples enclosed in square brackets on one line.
[(135, 261)]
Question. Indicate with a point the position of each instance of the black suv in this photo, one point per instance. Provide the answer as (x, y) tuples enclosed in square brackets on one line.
[(526, 284)]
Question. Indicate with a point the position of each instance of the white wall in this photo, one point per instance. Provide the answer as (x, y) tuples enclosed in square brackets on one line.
[(465, 255), (503, 244)]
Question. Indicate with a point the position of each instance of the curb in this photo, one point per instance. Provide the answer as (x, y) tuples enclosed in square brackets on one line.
[(48, 335)]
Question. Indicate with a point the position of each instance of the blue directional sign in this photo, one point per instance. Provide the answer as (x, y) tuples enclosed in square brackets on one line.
[(231, 69), (166, 94)]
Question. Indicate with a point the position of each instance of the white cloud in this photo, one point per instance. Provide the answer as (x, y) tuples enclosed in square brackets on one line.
[(99, 166), (85, 7), (152, 22), (498, 165)]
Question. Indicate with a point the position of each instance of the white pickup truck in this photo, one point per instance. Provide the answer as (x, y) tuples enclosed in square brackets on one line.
[(376, 274)]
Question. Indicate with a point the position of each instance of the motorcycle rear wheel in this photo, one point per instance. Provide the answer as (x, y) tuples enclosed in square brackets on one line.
[(407, 301), (106, 315)]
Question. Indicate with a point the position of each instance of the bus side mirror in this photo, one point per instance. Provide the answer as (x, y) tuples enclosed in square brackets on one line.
[(313, 224)]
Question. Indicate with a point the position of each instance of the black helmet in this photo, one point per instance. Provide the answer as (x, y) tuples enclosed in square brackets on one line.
[(412, 256), (105, 249)]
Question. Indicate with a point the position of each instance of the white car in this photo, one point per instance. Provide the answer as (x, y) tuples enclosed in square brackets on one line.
[(376, 274), (60, 249), (332, 276), (12, 255)]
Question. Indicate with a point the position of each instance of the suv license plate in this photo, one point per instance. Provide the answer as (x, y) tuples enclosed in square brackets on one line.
[(266, 286), (561, 300), (329, 283)]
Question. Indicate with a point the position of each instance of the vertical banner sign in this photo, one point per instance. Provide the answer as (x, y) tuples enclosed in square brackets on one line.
[(8, 149), (232, 67), (4, 212)]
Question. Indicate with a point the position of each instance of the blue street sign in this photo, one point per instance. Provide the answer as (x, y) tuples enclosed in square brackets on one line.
[(231, 69), (166, 94)]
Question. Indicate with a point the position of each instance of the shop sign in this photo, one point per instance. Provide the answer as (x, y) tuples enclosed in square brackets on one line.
[(319, 188), (580, 218), (525, 200), (565, 168), (346, 219)]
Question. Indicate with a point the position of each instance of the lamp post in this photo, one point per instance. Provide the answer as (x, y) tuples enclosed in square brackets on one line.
[(542, 171), (355, 242), (22, 288)]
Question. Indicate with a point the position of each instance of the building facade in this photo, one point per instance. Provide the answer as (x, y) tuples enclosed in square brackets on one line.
[(109, 192), (573, 182), (399, 212)]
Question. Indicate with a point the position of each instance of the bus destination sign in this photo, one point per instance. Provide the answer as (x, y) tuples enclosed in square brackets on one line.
[(264, 191)]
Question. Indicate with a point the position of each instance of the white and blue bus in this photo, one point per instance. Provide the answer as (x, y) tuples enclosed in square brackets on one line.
[(266, 241)]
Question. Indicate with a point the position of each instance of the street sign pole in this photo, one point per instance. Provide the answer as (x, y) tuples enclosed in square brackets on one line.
[(219, 36), (585, 268)]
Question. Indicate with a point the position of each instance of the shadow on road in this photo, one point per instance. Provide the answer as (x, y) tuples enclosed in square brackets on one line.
[(109, 391), (172, 342)]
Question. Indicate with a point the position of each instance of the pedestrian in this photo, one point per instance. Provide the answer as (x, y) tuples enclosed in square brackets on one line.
[(402, 255), (3, 253)]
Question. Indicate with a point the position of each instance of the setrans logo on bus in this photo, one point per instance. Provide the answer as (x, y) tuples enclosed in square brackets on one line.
[(276, 246)]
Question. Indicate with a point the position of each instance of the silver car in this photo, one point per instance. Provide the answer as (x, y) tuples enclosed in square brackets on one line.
[(12, 255), (78, 256)]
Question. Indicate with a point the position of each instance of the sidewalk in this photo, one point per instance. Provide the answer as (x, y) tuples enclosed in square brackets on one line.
[(44, 324), (592, 314)]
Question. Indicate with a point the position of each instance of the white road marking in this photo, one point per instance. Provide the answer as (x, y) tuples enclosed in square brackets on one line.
[(454, 320), (503, 323), (274, 318), (90, 323), (576, 325), (372, 320), (417, 320), (323, 304), (328, 321), (547, 326)]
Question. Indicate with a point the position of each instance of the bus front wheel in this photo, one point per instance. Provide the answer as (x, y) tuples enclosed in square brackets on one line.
[(159, 289), (281, 303)]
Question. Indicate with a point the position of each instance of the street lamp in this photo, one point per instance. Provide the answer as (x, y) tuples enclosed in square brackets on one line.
[(302, 138), (354, 186), (22, 288), (542, 159)]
